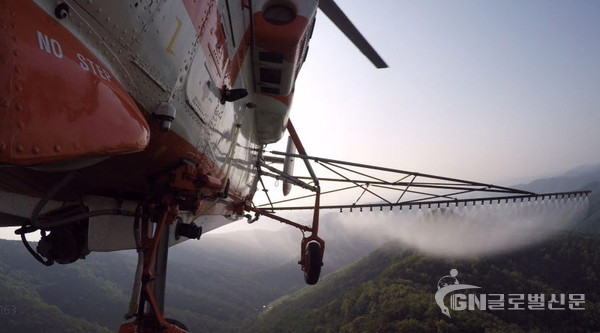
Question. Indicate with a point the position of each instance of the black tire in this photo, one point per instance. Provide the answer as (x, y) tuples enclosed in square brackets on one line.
[(314, 261)]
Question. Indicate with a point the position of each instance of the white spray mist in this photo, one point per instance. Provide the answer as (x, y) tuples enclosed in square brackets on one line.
[(474, 230)]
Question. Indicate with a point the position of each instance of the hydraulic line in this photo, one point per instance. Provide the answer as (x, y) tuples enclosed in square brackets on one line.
[(36, 211)]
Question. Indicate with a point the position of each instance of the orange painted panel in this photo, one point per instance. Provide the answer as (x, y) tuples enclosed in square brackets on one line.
[(58, 102), (282, 39)]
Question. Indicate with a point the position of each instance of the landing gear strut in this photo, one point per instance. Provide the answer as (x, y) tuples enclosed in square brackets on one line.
[(311, 247), (149, 287)]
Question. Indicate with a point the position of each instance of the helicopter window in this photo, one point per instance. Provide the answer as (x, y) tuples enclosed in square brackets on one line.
[(270, 57), (270, 75)]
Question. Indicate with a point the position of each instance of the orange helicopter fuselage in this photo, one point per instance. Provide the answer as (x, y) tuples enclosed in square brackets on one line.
[(124, 91)]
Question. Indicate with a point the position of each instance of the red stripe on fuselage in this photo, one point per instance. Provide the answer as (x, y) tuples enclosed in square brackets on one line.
[(208, 22)]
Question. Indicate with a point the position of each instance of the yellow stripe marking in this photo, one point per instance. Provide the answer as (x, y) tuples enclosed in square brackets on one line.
[(174, 37)]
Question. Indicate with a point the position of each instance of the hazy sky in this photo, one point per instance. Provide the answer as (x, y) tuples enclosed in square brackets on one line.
[(492, 91)]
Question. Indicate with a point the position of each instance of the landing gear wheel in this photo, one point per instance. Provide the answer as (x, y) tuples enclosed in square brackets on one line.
[(314, 261)]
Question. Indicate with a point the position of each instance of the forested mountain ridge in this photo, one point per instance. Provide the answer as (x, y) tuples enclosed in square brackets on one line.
[(392, 290), (26, 288), (591, 221), (389, 290), (573, 180), (221, 284), (92, 295)]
